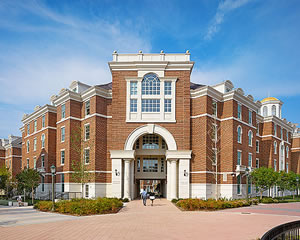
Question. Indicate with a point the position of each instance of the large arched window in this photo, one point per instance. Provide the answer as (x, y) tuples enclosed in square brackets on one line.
[(150, 85), (274, 110), (250, 137), (239, 134), (265, 111)]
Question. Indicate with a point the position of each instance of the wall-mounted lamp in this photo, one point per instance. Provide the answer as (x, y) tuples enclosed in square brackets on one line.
[(185, 173), (117, 173)]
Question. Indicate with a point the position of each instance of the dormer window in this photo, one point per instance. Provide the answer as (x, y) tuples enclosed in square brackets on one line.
[(151, 98)]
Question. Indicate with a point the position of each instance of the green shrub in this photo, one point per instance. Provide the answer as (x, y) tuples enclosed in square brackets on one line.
[(125, 200), (209, 204), (83, 206)]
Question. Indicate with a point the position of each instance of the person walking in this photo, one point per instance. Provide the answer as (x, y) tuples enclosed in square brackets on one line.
[(144, 196)]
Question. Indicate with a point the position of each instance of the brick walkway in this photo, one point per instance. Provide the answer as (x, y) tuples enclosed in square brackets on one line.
[(162, 221)]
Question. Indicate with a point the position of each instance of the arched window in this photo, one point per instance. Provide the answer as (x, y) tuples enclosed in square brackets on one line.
[(274, 110), (250, 137), (150, 85), (265, 111), (275, 147), (239, 137), (287, 151)]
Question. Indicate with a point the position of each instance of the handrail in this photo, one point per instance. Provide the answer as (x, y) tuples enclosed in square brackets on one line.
[(290, 230)]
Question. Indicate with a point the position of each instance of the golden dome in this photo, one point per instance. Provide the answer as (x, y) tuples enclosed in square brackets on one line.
[(269, 99)]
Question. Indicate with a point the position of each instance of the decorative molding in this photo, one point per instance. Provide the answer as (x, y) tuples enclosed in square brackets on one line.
[(45, 128), (86, 117), (41, 111), (281, 140)]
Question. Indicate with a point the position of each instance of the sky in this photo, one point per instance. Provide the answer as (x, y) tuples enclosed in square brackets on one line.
[(45, 45)]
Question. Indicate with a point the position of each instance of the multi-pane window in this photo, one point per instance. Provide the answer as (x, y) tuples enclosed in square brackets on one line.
[(43, 121), (62, 134), (63, 111), (87, 108), (168, 107), (163, 144), (239, 115), (151, 85), (162, 164), (87, 131), (239, 157), (239, 134), (250, 117), (62, 157), (27, 164), (239, 184), (43, 140), (150, 141), (133, 88), (257, 146), (150, 105), (214, 108), (28, 129), (275, 147), (133, 105), (275, 165), (87, 155), (287, 152), (249, 159), (86, 191), (281, 133), (63, 182), (42, 160), (257, 163), (275, 130), (43, 183), (250, 137), (27, 146), (168, 88), (138, 165), (35, 125), (150, 165), (34, 162), (34, 144)]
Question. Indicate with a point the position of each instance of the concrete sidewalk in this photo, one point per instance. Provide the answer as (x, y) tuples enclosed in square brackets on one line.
[(162, 221)]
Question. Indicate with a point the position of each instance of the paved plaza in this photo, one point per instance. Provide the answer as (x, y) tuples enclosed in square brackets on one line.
[(162, 221)]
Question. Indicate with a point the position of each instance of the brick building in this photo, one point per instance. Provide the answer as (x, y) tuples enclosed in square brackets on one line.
[(152, 123), (11, 154)]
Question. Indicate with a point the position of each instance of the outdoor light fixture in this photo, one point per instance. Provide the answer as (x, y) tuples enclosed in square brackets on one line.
[(52, 168), (185, 173), (117, 173)]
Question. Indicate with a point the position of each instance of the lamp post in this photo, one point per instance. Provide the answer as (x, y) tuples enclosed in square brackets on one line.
[(52, 168)]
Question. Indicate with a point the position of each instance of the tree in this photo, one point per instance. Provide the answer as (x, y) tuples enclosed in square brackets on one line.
[(282, 181), (29, 179), (4, 177), (263, 178), (292, 182), (80, 172)]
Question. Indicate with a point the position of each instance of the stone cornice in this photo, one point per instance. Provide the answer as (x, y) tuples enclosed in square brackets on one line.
[(41, 111), (96, 91), (278, 121)]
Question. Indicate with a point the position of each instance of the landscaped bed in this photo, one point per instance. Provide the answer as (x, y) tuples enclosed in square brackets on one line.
[(82, 206), (194, 204)]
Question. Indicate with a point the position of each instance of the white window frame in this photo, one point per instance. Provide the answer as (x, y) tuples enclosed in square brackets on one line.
[(27, 163), (34, 144), (43, 121), (85, 133), (28, 128), (28, 146), (275, 165), (160, 116), (275, 147), (62, 163), (287, 151), (87, 108), (250, 154), (257, 146), (275, 130), (43, 162), (241, 154), (287, 167), (250, 141), (35, 125), (257, 163), (43, 138), (84, 155), (239, 111), (250, 117), (61, 135), (34, 162), (214, 109), (63, 111), (241, 135)]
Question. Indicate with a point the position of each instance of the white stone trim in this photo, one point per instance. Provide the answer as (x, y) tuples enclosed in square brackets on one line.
[(223, 119), (150, 129), (264, 136), (211, 172), (298, 148), (38, 113), (86, 117), (10, 156), (32, 134)]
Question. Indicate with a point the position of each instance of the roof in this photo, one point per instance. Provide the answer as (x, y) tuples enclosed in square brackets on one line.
[(269, 99), (108, 86), (194, 86)]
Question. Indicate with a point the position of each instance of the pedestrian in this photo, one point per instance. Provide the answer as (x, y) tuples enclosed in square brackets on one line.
[(152, 198), (144, 196), (141, 191), (19, 201)]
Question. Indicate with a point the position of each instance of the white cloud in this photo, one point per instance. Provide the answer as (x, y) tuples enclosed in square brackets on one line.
[(224, 8)]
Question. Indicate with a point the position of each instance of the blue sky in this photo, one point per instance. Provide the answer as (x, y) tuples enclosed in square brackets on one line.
[(45, 45)]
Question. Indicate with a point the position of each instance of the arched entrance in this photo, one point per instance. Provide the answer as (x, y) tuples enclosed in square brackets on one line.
[(150, 153)]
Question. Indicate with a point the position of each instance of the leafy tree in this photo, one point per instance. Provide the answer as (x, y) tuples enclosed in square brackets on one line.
[(4, 177), (80, 169), (263, 178), (282, 181), (292, 182), (29, 179)]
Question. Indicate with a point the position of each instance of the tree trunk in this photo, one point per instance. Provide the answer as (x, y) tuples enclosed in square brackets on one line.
[(261, 192)]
